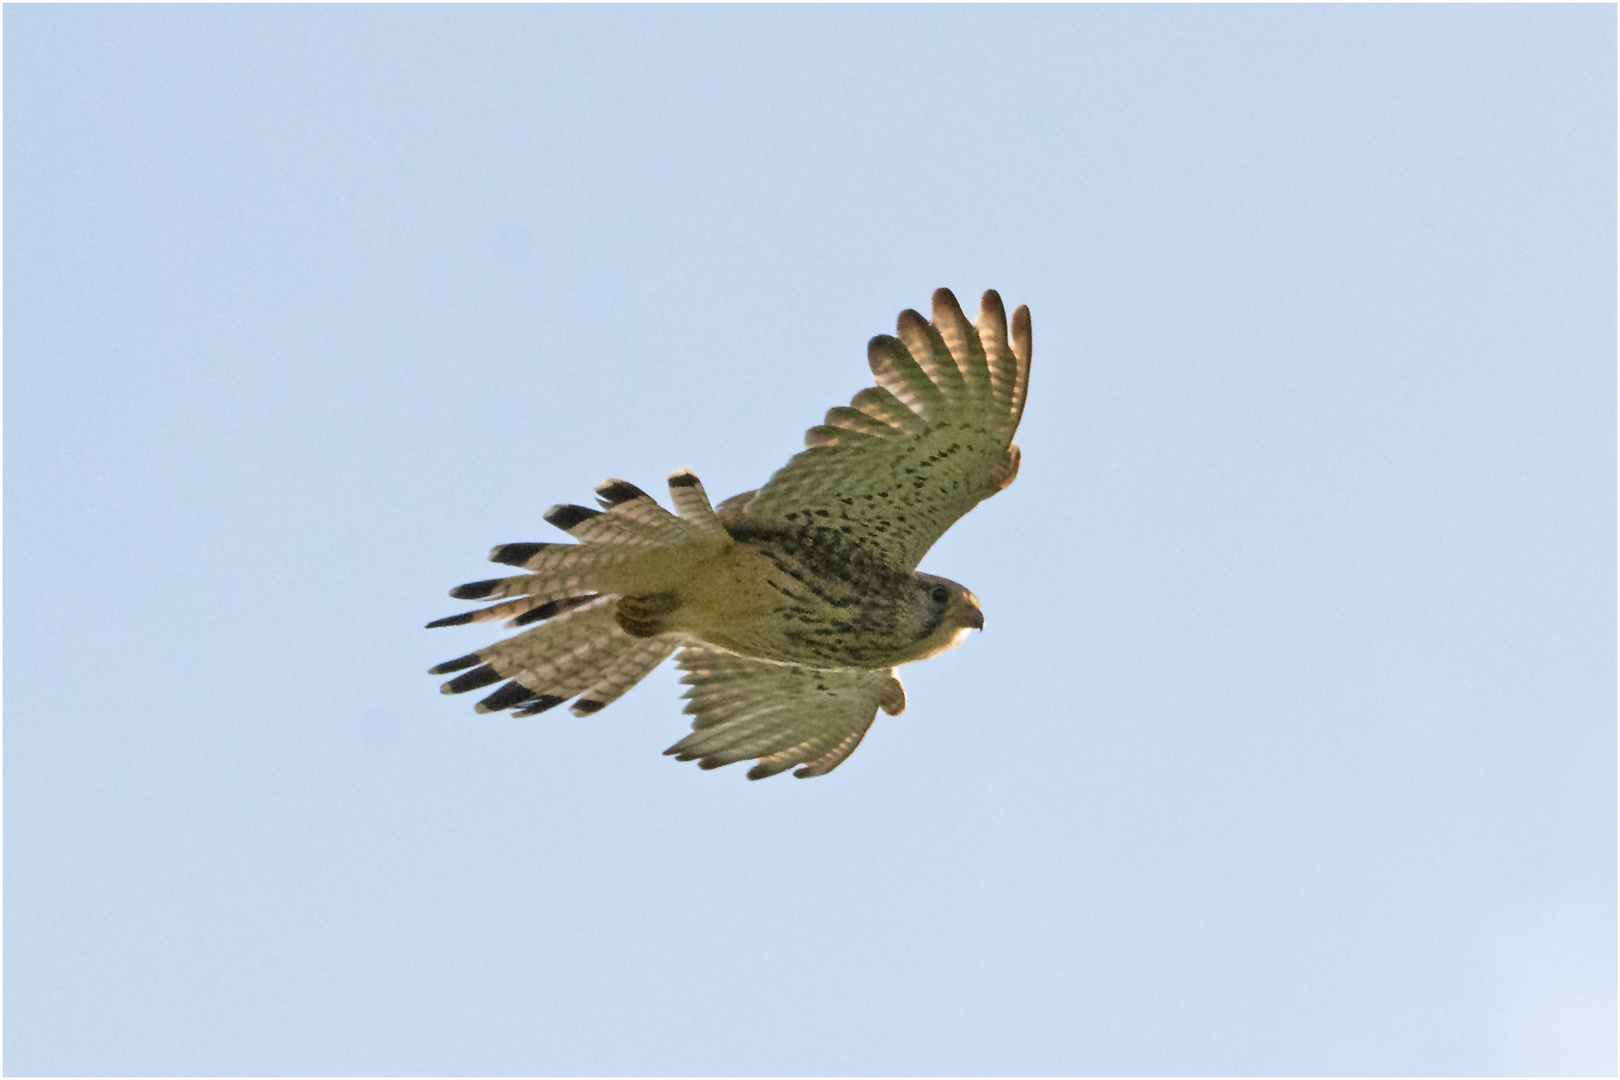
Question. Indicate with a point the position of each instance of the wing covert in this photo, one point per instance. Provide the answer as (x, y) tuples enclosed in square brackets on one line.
[(781, 714), (906, 458)]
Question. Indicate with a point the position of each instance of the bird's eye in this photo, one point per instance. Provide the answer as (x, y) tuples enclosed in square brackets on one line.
[(940, 594)]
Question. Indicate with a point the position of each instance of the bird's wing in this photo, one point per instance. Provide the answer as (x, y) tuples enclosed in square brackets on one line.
[(579, 651), (890, 472), (782, 714)]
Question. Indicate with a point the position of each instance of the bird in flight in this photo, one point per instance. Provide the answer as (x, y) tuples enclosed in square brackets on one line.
[(790, 605)]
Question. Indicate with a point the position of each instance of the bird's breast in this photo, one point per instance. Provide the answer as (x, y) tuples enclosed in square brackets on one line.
[(777, 597)]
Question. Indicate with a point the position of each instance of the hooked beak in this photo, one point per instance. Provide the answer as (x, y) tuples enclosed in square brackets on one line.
[(973, 617)]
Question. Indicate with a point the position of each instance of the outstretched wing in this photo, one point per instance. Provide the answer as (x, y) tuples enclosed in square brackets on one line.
[(782, 714), (906, 458), (579, 651)]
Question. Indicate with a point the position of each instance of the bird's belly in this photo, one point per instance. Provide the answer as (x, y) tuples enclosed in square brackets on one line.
[(779, 609)]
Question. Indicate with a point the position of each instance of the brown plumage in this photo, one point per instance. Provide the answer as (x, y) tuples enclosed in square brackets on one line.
[(792, 604)]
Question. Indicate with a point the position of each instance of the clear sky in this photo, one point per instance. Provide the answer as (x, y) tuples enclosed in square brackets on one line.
[(1289, 745)]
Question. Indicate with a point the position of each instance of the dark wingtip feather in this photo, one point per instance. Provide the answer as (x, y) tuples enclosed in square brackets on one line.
[(567, 515), (517, 554), (990, 303), (454, 665), (1020, 333), (507, 696), (550, 608), (685, 478), (476, 590), (587, 706), (473, 680), (540, 704), (454, 620), (613, 492), (535, 614)]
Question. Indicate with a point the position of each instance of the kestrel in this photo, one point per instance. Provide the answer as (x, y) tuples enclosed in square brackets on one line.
[(790, 605)]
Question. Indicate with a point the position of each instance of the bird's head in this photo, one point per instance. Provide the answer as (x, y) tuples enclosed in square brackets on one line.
[(946, 612)]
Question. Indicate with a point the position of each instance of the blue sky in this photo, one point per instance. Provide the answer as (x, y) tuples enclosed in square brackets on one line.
[(1289, 746)]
